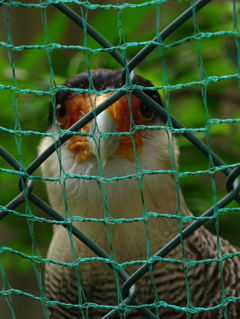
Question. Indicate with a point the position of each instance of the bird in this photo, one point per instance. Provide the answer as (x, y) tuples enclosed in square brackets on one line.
[(116, 179)]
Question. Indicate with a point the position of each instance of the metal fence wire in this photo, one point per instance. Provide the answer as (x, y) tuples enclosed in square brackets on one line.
[(126, 283)]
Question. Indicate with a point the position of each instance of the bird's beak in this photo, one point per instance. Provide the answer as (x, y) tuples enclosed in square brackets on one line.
[(102, 142)]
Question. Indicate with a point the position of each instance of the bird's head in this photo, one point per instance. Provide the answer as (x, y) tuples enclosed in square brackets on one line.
[(120, 163), (120, 131)]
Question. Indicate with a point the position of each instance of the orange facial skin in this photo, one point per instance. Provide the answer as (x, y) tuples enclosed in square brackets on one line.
[(75, 108), (126, 113)]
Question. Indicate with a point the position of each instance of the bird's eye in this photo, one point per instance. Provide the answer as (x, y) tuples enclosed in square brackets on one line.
[(146, 111), (60, 111)]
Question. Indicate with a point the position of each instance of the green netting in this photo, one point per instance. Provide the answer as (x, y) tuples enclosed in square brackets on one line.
[(190, 51)]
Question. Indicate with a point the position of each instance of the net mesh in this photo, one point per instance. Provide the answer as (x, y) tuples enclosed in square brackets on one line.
[(194, 62)]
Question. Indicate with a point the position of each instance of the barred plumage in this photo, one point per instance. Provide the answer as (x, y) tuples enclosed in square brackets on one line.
[(127, 188)]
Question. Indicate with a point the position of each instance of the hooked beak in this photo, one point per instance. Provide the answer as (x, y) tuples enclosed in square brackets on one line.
[(101, 142)]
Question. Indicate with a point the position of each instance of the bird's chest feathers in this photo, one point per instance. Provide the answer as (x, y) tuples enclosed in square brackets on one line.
[(117, 191), (113, 205)]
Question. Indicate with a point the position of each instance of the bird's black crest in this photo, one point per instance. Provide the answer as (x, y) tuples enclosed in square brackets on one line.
[(99, 80)]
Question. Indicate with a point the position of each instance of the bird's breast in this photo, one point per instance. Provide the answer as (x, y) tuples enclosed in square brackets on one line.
[(114, 205)]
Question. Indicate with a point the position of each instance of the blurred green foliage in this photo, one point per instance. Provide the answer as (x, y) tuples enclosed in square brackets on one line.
[(43, 48)]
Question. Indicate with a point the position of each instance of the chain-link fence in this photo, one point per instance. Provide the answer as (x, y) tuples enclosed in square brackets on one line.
[(127, 293)]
